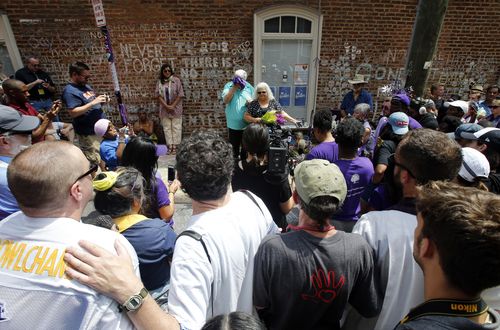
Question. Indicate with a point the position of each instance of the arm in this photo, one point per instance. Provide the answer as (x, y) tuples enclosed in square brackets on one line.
[(229, 96), (34, 83), (379, 173), (286, 197), (287, 206), (249, 119), (49, 87), (46, 120), (114, 276), (165, 210), (81, 110)]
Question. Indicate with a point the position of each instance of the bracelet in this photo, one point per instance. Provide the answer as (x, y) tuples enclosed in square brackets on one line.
[(121, 140)]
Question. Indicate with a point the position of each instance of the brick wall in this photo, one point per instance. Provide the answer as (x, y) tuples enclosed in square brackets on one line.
[(207, 40)]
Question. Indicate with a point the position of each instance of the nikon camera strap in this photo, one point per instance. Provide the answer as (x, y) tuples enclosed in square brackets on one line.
[(461, 308)]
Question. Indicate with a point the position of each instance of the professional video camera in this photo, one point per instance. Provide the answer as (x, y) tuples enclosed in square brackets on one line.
[(279, 140)]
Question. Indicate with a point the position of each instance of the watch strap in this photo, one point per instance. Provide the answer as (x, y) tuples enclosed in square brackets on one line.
[(141, 296)]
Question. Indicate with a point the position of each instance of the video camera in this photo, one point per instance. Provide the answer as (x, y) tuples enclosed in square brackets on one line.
[(277, 156)]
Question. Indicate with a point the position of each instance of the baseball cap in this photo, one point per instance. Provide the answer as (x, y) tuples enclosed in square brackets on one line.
[(466, 131), (319, 177), (399, 123), (12, 121), (474, 164), (101, 126), (464, 105), (403, 98), (489, 136)]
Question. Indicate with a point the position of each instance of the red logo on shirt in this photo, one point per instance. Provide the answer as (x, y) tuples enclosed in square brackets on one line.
[(325, 286)]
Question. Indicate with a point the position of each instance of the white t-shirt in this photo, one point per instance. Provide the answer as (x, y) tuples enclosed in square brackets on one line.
[(34, 291), (232, 235), (390, 234)]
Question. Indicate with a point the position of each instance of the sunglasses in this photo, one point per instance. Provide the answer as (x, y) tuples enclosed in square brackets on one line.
[(261, 92), (393, 159), (93, 169)]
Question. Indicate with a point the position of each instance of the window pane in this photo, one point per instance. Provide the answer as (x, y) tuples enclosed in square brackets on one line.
[(287, 24), (6, 68), (272, 25), (303, 25)]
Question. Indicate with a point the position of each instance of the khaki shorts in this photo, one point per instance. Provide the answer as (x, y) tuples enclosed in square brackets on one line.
[(90, 145)]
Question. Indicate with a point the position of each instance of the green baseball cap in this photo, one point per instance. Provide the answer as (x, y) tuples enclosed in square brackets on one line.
[(319, 177)]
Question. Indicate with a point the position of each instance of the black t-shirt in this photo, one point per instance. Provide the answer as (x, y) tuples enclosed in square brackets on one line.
[(305, 282), (273, 189), (37, 92)]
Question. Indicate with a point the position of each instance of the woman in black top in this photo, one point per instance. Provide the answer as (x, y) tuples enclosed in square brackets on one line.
[(263, 102), (251, 174)]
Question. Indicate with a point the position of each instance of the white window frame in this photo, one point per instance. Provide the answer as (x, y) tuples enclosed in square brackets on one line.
[(316, 19), (7, 36)]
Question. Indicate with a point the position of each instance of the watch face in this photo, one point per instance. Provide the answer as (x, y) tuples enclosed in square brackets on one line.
[(134, 302)]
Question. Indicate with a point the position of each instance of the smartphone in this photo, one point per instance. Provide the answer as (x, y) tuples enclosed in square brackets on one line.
[(171, 173)]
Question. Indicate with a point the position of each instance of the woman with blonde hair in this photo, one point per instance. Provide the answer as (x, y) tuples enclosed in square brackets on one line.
[(263, 102)]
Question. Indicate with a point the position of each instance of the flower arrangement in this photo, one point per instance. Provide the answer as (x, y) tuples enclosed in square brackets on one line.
[(273, 117)]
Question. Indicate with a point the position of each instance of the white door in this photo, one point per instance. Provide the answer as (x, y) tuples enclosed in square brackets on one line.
[(286, 50)]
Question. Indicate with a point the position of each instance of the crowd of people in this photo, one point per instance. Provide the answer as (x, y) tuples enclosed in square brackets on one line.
[(398, 219)]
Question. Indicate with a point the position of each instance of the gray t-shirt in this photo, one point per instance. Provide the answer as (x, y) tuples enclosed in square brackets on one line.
[(304, 282)]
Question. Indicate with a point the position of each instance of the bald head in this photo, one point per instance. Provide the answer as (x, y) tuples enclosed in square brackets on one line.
[(16, 91), (41, 176)]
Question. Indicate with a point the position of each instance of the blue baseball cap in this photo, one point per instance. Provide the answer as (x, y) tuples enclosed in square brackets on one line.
[(466, 131), (399, 123)]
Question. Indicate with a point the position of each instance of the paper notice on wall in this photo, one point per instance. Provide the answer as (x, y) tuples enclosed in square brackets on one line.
[(301, 74), (284, 96)]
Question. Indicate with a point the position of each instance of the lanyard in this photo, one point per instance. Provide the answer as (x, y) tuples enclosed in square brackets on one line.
[(462, 308), (125, 222)]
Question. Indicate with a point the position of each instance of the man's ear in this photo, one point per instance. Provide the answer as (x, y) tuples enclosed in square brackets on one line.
[(482, 147), (75, 191), (3, 141), (427, 248)]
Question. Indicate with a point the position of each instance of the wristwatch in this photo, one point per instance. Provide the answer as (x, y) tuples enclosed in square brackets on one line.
[(134, 302)]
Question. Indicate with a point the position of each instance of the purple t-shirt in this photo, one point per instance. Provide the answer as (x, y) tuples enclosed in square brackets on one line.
[(161, 192), (358, 173), (325, 150)]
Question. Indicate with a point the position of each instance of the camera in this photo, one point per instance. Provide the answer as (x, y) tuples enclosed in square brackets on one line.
[(124, 130), (277, 156)]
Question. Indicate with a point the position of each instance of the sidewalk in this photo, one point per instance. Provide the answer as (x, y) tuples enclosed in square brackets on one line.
[(183, 208)]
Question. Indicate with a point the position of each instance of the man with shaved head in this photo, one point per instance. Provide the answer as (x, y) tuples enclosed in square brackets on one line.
[(17, 97), (52, 183)]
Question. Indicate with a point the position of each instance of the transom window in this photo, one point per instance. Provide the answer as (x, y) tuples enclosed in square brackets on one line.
[(287, 24)]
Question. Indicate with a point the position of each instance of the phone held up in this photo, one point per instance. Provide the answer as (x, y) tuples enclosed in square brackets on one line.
[(171, 173)]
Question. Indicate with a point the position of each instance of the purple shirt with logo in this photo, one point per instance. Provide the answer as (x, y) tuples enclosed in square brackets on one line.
[(358, 173)]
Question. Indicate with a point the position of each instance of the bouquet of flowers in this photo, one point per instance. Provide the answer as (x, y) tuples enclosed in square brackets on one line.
[(273, 117)]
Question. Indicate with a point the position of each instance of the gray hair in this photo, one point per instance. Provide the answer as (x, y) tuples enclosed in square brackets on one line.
[(263, 85), (362, 108), (241, 73)]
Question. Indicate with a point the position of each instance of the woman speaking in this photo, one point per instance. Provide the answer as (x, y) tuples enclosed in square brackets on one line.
[(264, 102)]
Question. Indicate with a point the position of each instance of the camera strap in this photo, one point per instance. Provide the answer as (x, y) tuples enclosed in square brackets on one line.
[(445, 307)]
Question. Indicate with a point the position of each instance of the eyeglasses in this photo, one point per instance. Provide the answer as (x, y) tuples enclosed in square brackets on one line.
[(262, 92), (392, 159), (92, 169)]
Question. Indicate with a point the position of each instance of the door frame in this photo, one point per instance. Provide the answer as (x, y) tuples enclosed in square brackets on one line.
[(7, 36), (313, 15)]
